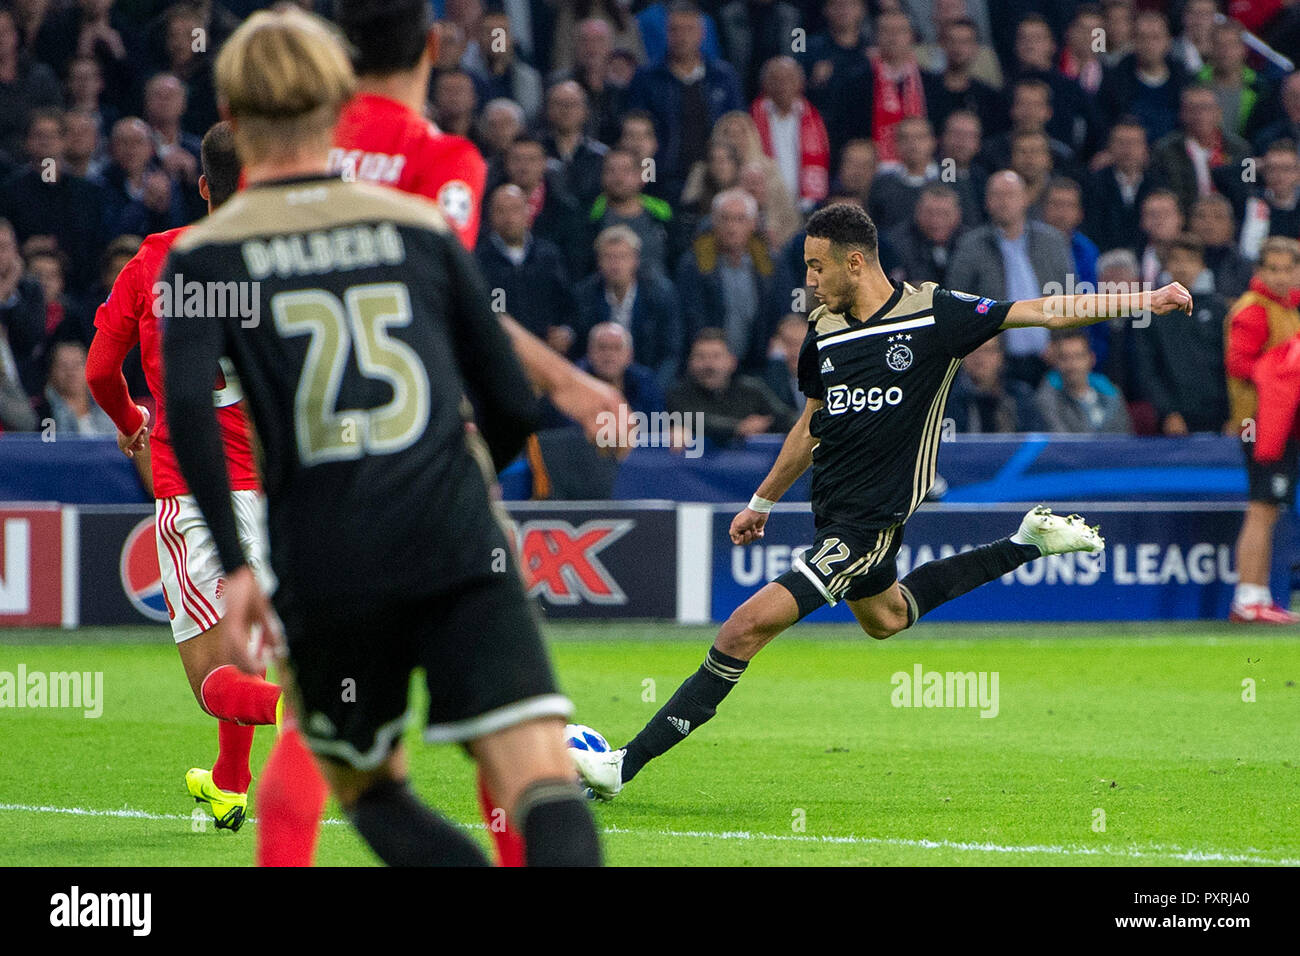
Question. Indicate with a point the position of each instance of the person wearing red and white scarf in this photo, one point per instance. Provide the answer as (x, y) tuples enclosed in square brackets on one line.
[(1204, 139), (792, 132), (895, 80)]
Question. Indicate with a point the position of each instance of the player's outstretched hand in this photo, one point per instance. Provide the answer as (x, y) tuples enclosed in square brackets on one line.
[(252, 629), (595, 405), (747, 527), (1171, 298), (130, 444)]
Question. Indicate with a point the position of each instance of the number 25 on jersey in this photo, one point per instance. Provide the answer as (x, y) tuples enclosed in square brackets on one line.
[(360, 322)]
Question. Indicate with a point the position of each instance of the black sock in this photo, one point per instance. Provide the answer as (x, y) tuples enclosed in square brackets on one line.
[(692, 705), (404, 832), (937, 582), (556, 825)]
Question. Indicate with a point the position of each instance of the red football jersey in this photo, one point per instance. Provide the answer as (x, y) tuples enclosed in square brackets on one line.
[(128, 316), (380, 140)]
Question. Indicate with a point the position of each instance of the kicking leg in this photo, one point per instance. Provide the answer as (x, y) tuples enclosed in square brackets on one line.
[(937, 582), (748, 630)]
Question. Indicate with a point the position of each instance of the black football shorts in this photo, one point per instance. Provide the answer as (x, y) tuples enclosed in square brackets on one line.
[(481, 650), (843, 564), (1273, 482)]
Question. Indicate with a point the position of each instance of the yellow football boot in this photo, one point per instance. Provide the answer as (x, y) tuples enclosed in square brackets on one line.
[(227, 808)]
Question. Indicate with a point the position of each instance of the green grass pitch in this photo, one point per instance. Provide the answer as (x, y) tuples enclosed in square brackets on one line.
[(1112, 745)]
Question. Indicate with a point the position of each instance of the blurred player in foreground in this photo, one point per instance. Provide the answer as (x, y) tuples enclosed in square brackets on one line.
[(382, 137), (876, 366), (192, 577), (373, 325)]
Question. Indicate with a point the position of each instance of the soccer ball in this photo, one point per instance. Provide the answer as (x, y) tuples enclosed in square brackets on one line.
[(580, 737), (599, 768)]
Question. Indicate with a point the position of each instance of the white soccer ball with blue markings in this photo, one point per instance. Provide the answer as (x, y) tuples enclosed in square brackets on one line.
[(599, 768), (580, 737)]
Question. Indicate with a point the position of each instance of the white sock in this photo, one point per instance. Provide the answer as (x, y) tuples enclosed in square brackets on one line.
[(1247, 594)]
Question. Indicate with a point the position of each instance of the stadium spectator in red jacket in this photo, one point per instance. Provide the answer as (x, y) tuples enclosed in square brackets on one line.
[(1262, 320)]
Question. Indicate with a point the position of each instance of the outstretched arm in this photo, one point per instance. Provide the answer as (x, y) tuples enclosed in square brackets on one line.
[(1073, 311), (794, 459), (583, 397)]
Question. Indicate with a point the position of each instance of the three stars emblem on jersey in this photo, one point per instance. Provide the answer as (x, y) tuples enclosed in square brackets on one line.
[(898, 356)]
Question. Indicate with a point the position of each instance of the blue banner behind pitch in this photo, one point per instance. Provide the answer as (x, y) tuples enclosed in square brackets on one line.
[(1161, 562)]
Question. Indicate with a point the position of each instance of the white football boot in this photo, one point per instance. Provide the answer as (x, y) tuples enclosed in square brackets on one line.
[(1054, 534), (602, 773)]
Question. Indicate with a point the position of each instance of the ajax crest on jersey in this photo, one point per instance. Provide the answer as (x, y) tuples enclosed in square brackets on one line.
[(579, 737), (898, 356), (141, 579)]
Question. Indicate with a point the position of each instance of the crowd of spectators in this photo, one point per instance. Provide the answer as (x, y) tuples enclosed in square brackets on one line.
[(650, 166)]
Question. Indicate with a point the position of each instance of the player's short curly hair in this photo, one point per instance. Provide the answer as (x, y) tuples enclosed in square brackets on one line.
[(847, 226)]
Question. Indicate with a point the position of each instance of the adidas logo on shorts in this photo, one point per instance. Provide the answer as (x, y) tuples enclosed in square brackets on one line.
[(683, 726)]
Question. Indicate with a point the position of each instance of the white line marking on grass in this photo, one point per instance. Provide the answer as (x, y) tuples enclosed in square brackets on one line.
[(126, 813), (1249, 855)]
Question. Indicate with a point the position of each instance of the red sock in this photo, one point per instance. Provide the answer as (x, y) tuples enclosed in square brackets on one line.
[(230, 694), (290, 798), (509, 844), (231, 772)]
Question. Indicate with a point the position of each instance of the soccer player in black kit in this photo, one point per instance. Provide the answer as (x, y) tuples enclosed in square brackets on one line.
[(876, 366), (371, 324)]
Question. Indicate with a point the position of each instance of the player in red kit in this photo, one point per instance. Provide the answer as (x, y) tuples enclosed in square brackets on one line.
[(383, 137), (191, 573)]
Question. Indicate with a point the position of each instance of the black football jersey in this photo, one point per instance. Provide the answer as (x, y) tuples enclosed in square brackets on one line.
[(884, 381), (371, 323)]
